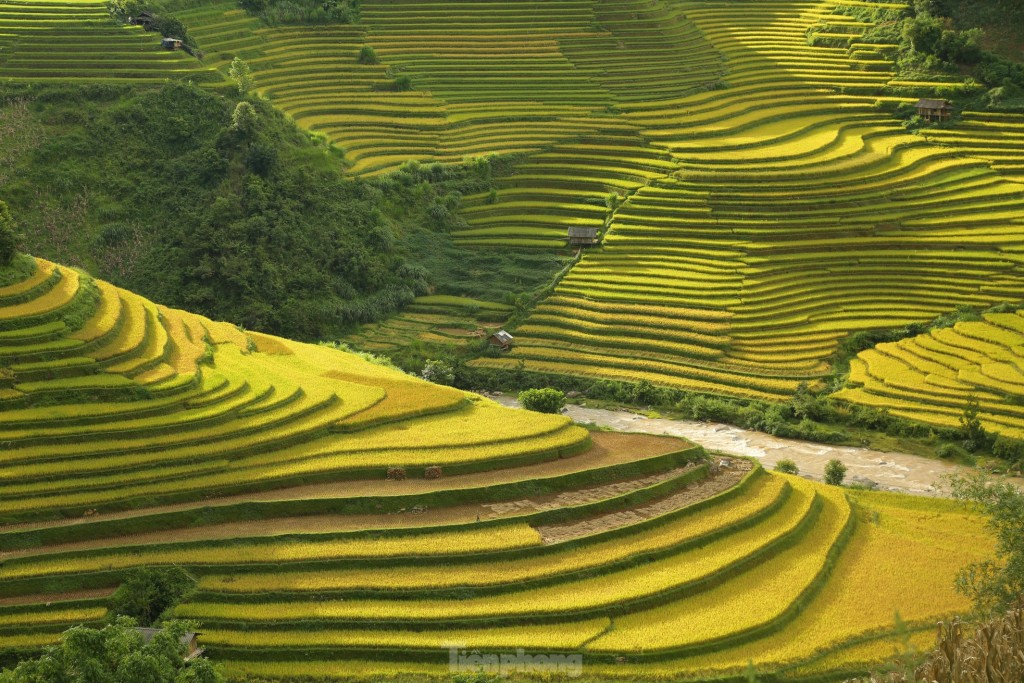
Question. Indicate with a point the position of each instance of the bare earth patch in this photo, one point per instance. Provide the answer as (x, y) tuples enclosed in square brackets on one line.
[(725, 478)]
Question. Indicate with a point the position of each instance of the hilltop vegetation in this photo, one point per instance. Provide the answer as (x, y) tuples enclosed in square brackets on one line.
[(168, 191)]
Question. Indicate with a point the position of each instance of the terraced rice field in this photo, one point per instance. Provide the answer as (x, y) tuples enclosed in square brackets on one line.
[(997, 138), (761, 223), (765, 206), (929, 378), (54, 40), (437, 319), (144, 436)]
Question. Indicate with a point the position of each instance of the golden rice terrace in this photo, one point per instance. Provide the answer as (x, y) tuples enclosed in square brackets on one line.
[(344, 519)]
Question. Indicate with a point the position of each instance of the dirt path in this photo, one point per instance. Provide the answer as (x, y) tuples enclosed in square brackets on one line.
[(890, 471), (718, 481), (607, 450)]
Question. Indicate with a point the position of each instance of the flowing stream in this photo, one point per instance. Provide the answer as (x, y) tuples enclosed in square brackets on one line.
[(889, 471)]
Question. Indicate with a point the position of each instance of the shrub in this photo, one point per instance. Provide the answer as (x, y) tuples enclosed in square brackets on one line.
[(149, 592), (8, 236), (402, 83), (787, 466), (432, 472), (835, 472), (950, 451), (542, 400), (396, 473), (1008, 449), (439, 372), (367, 55)]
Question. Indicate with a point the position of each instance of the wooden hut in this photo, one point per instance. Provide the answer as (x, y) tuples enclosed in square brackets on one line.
[(189, 640), (145, 20), (934, 110), (582, 236), (171, 43), (502, 340)]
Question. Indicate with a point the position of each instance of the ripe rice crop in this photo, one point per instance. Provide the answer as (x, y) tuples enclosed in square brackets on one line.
[(438, 544), (755, 599), (599, 553), (605, 590), (567, 636)]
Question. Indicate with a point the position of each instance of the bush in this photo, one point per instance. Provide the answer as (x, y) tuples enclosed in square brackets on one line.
[(950, 451), (1008, 449), (8, 236), (396, 473), (149, 592), (835, 472), (439, 372), (402, 83), (367, 55), (542, 400), (787, 466)]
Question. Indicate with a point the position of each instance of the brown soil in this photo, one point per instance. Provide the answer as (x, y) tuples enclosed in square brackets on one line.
[(582, 496), (720, 480), (609, 448)]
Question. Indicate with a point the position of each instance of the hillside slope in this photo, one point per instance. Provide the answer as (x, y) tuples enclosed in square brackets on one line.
[(344, 519), (930, 377), (766, 204)]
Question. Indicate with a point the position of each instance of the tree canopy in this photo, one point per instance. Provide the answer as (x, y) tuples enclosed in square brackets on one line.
[(149, 591), (116, 654), (996, 584)]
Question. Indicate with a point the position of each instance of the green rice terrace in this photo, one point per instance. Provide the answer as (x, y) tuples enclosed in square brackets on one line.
[(701, 119), (343, 519)]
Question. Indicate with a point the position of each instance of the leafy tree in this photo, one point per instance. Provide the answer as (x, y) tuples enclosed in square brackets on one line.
[(835, 472), (116, 654), (787, 466), (997, 584), (150, 591), (122, 9), (241, 75), (8, 235), (402, 83), (439, 372), (923, 32), (542, 400), (244, 118), (971, 430)]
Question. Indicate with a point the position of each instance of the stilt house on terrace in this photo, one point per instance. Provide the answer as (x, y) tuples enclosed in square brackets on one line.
[(145, 20), (501, 339), (934, 110), (582, 236)]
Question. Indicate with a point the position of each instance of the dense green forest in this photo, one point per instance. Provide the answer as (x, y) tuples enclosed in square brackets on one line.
[(224, 207)]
